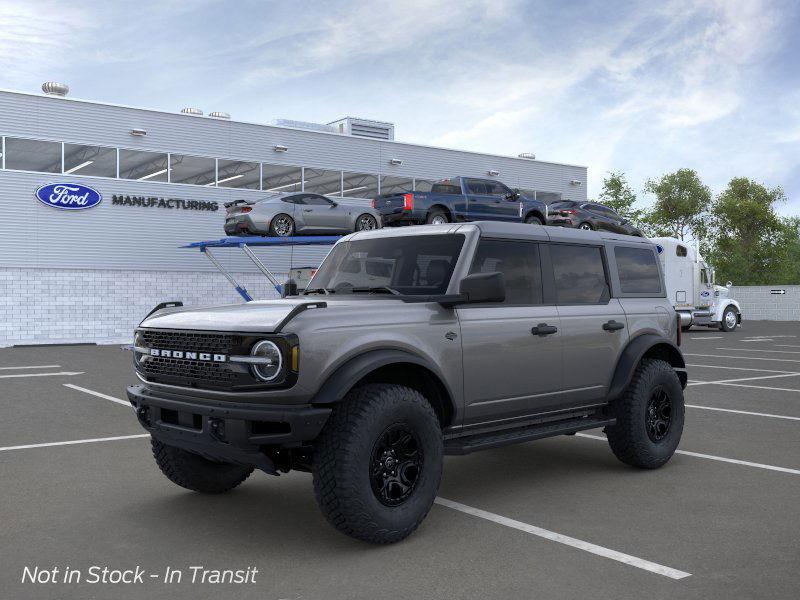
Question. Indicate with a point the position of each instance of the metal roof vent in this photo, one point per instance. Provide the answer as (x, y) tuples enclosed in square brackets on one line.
[(192, 111), (219, 115), (377, 130), (527, 155), (51, 88)]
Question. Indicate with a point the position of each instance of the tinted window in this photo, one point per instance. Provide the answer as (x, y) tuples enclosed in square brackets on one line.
[(419, 264), (476, 186), (638, 271), (316, 201), (681, 251), (519, 264), (495, 188), (446, 186), (33, 155), (579, 274), (562, 204)]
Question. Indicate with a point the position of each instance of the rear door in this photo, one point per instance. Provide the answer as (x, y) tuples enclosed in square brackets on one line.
[(511, 351), (593, 325), (481, 204)]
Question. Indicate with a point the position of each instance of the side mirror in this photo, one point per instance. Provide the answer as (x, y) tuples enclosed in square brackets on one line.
[(729, 285), (334, 204), (483, 287), (289, 288)]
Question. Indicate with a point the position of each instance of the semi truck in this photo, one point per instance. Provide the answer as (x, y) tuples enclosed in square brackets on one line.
[(692, 289)]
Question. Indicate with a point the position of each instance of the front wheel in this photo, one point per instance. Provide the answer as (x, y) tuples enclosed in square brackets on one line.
[(281, 226), (649, 416), (729, 320), (366, 223), (378, 463), (193, 472)]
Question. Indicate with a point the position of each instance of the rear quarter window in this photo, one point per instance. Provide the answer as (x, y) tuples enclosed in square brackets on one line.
[(580, 275), (638, 271)]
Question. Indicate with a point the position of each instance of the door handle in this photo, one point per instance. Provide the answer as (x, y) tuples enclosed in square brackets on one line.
[(543, 329), (308, 210), (612, 325)]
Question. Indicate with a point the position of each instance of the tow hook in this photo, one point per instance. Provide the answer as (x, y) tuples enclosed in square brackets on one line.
[(143, 414), (217, 429)]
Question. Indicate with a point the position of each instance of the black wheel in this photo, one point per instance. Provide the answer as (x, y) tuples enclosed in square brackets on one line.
[(378, 463), (196, 473), (533, 220), (586, 226), (437, 216), (366, 223), (281, 226), (649, 416), (729, 320)]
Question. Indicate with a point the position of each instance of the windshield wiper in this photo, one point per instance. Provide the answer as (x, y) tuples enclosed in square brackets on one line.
[(382, 289), (325, 291)]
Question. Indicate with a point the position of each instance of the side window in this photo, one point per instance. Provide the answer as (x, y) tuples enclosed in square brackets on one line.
[(446, 186), (519, 264), (316, 200), (495, 188), (579, 274), (638, 271), (476, 186), (293, 199), (681, 250)]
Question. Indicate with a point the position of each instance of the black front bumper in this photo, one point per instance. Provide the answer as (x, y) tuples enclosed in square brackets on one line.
[(226, 431)]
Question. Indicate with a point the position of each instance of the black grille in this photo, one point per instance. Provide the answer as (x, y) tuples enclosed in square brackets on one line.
[(221, 343)]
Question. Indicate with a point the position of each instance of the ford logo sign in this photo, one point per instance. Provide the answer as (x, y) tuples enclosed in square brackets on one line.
[(68, 196)]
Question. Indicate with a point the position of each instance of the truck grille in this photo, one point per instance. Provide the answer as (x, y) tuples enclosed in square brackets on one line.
[(221, 343)]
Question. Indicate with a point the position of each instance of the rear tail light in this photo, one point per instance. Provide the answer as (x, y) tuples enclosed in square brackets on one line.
[(374, 202), (246, 209), (680, 330), (408, 201), (566, 213)]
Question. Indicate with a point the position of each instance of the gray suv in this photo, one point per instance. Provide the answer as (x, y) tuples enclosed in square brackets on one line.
[(410, 344)]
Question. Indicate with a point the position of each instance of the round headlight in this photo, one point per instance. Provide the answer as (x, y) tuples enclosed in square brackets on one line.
[(270, 367)]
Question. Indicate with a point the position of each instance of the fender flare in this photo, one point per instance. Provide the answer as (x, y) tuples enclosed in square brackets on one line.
[(724, 305), (353, 370), (632, 355), (536, 212)]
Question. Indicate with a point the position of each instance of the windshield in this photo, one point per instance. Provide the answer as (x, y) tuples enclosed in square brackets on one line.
[(415, 265)]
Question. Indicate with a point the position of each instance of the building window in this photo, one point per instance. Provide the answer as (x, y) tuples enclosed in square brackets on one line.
[(396, 185), (546, 197), (144, 166), (280, 178), (359, 185), (321, 181), (423, 185), (33, 155), (194, 170), (96, 161), (237, 174)]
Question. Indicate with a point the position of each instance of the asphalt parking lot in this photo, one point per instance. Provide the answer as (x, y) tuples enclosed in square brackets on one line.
[(559, 518)]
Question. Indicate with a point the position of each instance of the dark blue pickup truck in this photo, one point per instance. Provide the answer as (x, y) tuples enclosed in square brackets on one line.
[(460, 199)]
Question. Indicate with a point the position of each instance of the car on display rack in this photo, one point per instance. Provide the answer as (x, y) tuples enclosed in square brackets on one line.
[(409, 344), (460, 199), (589, 216), (288, 214)]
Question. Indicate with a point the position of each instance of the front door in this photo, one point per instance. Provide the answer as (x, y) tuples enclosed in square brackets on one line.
[(322, 214), (594, 326), (511, 350)]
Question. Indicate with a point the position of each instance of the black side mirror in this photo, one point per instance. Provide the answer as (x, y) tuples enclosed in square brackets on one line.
[(334, 204), (483, 287), (289, 288)]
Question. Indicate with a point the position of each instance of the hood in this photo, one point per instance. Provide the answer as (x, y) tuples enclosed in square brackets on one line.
[(258, 317)]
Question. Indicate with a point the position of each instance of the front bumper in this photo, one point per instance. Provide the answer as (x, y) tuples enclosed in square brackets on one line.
[(225, 431)]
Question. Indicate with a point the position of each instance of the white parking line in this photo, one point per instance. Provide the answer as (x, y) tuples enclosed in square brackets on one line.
[(72, 442), (566, 540), (787, 346), (31, 367), (739, 368), (713, 337), (758, 340), (792, 360), (744, 412), (41, 374), (98, 394), (761, 387), (743, 379), (712, 457), (759, 350)]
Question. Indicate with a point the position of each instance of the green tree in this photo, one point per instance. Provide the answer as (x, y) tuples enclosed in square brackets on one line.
[(617, 194), (750, 243), (682, 202)]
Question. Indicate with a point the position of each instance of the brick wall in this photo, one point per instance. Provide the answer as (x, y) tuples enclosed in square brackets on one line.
[(759, 304), (50, 306)]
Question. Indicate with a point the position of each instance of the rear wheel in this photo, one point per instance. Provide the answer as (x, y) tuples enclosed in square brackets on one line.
[(729, 320), (649, 416), (533, 220), (378, 463), (193, 472), (281, 226), (366, 222), (586, 226), (437, 216)]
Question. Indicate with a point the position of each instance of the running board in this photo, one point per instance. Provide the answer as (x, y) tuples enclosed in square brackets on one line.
[(495, 439)]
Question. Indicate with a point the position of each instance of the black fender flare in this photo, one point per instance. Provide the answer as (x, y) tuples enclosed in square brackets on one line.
[(633, 354), (353, 370)]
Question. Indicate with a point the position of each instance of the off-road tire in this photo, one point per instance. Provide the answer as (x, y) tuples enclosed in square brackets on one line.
[(437, 212), (628, 438), (193, 472), (533, 220), (723, 325), (343, 456), (272, 230)]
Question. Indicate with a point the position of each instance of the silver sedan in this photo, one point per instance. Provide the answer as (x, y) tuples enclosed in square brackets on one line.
[(298, 213)]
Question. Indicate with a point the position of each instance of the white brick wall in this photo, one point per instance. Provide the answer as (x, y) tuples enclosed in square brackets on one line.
[(758, 303), (51, 306)]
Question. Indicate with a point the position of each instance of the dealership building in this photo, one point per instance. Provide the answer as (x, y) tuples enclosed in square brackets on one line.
[(162, 178)]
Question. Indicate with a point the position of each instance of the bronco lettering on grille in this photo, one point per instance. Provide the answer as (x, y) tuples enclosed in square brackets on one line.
[(189, 355)]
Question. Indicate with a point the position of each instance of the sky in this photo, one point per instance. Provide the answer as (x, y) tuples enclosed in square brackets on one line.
[(639, 87)]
